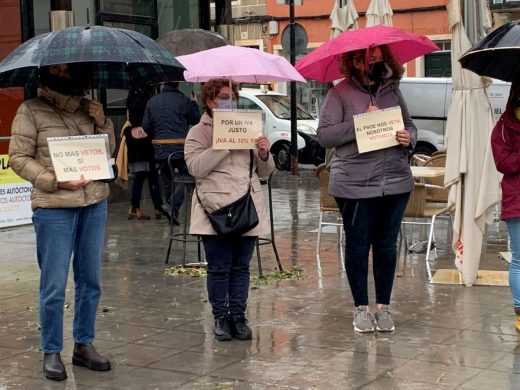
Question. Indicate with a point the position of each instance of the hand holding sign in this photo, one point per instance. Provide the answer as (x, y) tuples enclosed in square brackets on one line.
[(403, 137)]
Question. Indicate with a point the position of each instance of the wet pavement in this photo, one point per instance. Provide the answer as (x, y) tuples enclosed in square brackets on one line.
[(157, 329)]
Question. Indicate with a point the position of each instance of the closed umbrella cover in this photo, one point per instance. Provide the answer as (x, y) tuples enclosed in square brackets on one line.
[(470, 170), (379, 12), (343, 18)]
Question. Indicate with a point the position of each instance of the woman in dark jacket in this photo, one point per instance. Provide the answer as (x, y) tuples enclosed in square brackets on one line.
[(505, 142), (372, 188), (141, 158)]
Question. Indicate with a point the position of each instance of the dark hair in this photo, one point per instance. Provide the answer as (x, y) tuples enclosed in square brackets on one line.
[(346, 62), (212, 88), (80, 78)]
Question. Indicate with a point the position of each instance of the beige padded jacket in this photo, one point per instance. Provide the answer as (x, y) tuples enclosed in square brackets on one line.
[(222, 177), (53, 115)]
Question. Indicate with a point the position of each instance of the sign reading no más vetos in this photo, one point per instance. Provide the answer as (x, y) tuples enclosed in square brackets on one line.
[(236, 129), (81, 157), (377, 129)]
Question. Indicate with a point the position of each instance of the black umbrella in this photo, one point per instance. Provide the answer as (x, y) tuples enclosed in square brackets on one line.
[(497, 55), (189, 41), (119, 58)]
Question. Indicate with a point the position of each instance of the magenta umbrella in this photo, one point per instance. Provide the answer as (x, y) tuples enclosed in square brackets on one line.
[(239, 64), (322, 63)]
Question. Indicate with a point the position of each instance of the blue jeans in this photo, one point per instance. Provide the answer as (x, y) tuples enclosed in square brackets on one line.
[(372, 222), (513, 226), (228, 273), (59, 234)]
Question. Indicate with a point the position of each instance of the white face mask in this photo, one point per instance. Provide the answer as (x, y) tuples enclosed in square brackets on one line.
[(227, 104)]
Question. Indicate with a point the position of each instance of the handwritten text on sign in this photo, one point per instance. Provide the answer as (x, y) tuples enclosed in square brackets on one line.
[(80, 157), (236, 129), (377, 129)]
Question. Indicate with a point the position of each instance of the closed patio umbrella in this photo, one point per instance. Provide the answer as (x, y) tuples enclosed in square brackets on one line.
[(379, 12), (470, 170), (343, 17)]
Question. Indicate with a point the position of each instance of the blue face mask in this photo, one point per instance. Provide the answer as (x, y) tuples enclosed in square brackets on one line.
[(227, 104)]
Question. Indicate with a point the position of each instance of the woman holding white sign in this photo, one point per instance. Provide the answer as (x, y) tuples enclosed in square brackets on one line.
[(371, 188), (69, 216), (223, 176)]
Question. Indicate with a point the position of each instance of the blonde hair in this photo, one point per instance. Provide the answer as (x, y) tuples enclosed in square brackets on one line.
[(346, 62)]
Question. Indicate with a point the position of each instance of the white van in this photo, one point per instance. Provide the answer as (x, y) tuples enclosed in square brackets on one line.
[(277, 108), (428, 100)]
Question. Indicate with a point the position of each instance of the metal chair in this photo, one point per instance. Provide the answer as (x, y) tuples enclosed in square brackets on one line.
[(270, 240), (419, 208), (184, 212), (328, 205)]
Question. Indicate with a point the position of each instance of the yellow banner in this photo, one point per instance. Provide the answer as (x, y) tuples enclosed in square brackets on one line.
[(7, 176)]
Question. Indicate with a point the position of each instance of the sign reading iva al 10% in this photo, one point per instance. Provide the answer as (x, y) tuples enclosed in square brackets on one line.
[(377, 129), (236, 129), (82, 157)]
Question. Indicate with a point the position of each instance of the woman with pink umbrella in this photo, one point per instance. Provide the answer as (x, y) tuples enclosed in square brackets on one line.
[(371, 188)]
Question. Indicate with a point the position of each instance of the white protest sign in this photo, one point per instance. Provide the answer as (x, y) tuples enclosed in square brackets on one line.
[(236, 129), (80, 157), (377, 129)]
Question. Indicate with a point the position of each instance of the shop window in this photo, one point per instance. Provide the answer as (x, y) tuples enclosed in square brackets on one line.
[(129, 7)]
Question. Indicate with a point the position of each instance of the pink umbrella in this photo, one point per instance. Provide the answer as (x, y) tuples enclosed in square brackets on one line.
[(322, 65), (240, 64)]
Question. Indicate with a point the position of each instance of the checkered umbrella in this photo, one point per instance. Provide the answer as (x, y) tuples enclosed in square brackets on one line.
[(120, 58)]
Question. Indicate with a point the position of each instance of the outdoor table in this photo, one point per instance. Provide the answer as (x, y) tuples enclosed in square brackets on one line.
[(427, 172)]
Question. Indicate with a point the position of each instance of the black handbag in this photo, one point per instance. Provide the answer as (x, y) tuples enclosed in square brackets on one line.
[(236, 218)]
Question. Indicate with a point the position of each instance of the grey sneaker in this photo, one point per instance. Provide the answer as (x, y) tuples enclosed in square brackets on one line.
[(384, 319), (363, 320)]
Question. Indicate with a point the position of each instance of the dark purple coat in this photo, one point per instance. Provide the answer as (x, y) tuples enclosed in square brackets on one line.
[(505, 142), (367, 175)]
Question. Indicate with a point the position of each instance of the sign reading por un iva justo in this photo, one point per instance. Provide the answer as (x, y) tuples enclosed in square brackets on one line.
[(15, 196), (236, 129)]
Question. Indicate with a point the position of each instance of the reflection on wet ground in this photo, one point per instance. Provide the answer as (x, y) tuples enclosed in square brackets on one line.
[(157, 328)]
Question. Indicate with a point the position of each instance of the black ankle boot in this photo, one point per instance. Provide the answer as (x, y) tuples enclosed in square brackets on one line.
[(85, 355), (222, 331), (53, 367), (239, 328)]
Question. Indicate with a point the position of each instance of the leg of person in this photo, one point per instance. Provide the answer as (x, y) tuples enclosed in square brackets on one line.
[(166, 179), (178, 196), (358, 221), (86, 264), (137, 190), (55, 235), (155, 192), (513, 226), (242, 249), (218, 256), (389, 215)]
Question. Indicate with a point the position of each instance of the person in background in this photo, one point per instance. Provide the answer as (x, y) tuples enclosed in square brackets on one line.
[(222, 176), (505, 143), (371, 189), (141, 157), (69, 217), (167, 117)]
